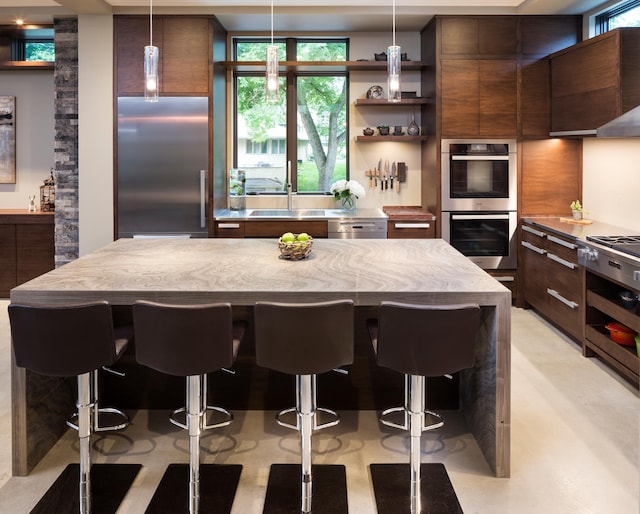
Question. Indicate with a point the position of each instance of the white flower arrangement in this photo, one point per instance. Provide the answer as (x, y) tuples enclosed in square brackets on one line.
[(346, 188)]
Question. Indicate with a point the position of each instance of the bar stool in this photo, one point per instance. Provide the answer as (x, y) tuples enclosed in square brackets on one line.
[(65, 341), (422, 341), (189, 341), (304, 340)]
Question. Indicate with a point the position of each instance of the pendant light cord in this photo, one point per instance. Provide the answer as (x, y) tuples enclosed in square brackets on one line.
[(394, 22), (150, 22), (272, 22)]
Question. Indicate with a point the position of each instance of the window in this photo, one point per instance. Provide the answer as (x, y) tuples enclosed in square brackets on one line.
[(625, 14), (30, 43), (306, 127)]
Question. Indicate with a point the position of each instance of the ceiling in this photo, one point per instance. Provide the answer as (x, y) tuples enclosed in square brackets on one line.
[(294, 15)]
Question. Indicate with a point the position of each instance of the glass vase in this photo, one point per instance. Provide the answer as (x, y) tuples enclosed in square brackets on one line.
[(348, 203)]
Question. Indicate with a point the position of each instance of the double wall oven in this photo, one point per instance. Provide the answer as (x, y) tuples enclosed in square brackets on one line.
[(479, 200)]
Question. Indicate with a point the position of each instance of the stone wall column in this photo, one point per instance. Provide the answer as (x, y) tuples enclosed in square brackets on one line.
[(66, 139)]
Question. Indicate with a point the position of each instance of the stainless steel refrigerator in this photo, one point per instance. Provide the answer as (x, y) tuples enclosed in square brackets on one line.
[(163, 158)]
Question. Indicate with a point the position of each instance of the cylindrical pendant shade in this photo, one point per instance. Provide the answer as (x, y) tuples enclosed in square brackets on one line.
[(393, 68), (151, 80), (272, 91)]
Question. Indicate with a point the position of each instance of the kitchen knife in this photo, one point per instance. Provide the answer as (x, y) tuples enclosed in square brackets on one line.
[(378, 173), (386, 175), (397, 180), (393, 172), (369, 174)]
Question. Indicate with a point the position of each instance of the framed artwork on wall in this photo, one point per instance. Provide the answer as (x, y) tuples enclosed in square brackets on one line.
[(7, 140)]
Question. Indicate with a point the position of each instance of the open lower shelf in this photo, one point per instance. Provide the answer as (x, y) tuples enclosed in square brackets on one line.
[(608, 304), (623, 358)]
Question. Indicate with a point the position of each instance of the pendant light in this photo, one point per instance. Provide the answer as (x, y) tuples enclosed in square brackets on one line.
[(393, 66), (151, 56), (273, 80)]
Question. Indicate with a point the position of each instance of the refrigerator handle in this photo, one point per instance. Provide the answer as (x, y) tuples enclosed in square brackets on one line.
[(203, 198)]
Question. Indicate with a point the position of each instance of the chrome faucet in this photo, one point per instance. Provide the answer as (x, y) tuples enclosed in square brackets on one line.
[(289, 188)]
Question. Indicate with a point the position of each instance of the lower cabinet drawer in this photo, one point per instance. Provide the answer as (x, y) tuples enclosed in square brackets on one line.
[(229, 229), (411, 229)]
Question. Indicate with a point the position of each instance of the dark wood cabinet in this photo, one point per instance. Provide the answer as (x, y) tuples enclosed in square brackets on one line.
[(550, 176), (411, 229), (595, 81), (482, 35), (492, 74), (479, 98), (552, 280), (270, 228), (185, 46), (26, 248)]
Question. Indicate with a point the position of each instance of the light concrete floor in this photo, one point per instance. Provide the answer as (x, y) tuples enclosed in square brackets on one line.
[(574, 442)]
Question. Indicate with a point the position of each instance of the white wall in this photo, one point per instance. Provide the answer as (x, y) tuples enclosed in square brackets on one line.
[(95, 121), (611, 181), (35, 133)]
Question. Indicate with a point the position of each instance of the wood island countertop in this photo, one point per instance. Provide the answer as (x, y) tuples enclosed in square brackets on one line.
[(244, 271)]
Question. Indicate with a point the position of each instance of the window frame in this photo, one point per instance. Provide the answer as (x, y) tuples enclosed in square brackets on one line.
[(602, 20), (290, 76)]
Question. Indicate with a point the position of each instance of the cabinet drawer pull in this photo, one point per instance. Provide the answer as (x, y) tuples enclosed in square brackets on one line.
[(527, 228), (412, 225), (528, 245), (560, 260), (228, 225), (562, 242), (505, 278), (561, 298)]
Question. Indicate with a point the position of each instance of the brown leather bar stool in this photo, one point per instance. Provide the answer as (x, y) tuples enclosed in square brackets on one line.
[(65, 341), (304, 340), (189, 341), (422, 341)]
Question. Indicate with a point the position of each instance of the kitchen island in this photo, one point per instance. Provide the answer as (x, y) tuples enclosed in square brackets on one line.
[(243, 271)]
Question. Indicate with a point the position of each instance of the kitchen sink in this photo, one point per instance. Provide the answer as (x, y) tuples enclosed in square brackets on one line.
[(285, 213)]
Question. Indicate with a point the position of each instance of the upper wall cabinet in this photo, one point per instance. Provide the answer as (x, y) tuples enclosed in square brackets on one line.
[(479, 98), (489, 35), (185, 53), (595, 81), (491, 77)]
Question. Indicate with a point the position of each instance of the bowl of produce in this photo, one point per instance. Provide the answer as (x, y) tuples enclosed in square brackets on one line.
[(295, 246), (620, 333), (627, 299)]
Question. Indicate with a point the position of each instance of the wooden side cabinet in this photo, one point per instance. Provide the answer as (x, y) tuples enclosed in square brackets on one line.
[(26, 247), (185, 46), (595, 80)]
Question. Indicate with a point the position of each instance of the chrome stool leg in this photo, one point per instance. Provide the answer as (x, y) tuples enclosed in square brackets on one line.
[(85, 407), (97, 410), (306, 407), (416, 408), (227, 415), (194, 423)]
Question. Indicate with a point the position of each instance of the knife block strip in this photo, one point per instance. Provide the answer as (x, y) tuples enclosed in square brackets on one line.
[(402, 171)]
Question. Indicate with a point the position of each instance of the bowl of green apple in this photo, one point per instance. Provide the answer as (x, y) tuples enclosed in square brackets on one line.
[(295, 246)]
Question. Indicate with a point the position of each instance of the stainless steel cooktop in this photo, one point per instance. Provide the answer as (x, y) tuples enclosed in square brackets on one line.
[(624, 244)]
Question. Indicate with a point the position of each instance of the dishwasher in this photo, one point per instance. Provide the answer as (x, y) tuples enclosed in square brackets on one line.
[(364, 228)]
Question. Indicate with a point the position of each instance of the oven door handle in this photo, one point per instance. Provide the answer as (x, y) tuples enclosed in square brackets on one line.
[(463, 217), (479, 157)]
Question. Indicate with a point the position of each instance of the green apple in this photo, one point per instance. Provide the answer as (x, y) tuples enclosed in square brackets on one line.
[(287, 237), (303, 236)]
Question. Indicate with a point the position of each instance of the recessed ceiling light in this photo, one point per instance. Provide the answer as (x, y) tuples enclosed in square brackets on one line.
[(19, 21)]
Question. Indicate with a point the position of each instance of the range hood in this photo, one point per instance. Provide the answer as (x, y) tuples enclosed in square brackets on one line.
[(627, 125)]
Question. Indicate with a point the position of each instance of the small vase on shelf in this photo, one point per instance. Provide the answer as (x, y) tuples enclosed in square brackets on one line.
[(413, 129)]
